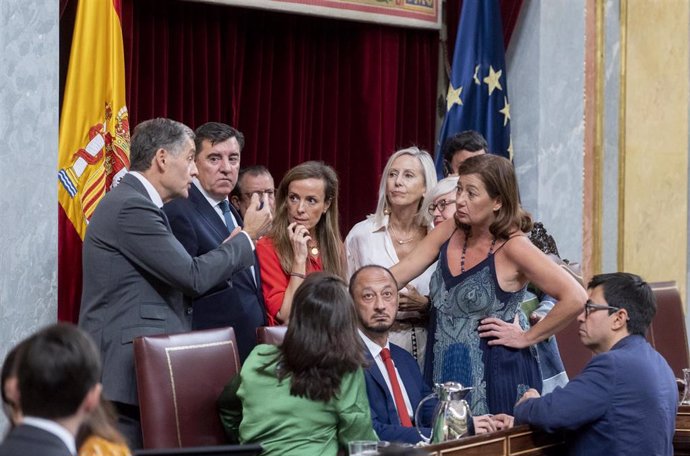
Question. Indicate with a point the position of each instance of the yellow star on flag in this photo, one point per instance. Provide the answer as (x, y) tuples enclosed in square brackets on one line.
[(510, 150), (505, 111), (492, 80), (453, 96), (476, 75)]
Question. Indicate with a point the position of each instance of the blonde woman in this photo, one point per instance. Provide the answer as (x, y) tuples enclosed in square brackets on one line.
[(392, 232)]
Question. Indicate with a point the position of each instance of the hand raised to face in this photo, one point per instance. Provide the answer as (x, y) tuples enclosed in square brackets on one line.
[(258, 218), (299, 236)]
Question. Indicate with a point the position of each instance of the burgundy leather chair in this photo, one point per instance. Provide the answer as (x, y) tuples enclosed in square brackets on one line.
[(272, 335), (574, 355), (179, 379), (667, 332)]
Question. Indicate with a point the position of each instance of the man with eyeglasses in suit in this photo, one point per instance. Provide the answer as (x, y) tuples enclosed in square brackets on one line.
[(253, 179), (625, 400)]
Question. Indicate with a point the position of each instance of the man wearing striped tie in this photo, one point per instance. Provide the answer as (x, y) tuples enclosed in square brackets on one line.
[(205, 219)]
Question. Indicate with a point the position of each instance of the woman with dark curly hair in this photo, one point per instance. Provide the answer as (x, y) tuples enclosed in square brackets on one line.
[(308, 395)]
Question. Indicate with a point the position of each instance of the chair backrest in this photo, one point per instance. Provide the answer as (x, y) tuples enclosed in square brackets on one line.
[(179, 379), (272, 335), (574, 354), (667, 332)]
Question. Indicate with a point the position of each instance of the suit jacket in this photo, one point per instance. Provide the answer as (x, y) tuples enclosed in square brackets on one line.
[(384, 415), (623, 403), (196, 224), (138, 280), (30, 440)]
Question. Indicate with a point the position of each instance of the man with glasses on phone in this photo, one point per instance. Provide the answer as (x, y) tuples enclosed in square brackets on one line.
[(253, 179), (625, 400)]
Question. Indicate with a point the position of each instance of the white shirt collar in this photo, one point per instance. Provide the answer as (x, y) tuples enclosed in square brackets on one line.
[(212, 201), (150, 189), (385, 219), (54, 428), (378, 226), (374, 348)]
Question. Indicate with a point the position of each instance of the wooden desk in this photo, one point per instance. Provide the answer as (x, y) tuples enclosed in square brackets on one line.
[(681, 441), (523, 441), (520, 440)]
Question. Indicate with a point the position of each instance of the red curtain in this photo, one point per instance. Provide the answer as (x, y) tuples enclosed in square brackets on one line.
[(298, 87)]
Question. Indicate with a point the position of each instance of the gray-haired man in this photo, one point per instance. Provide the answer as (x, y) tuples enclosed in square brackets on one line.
[(138, 278)]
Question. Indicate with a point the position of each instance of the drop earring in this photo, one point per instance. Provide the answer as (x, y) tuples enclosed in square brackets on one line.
[(386, 209)]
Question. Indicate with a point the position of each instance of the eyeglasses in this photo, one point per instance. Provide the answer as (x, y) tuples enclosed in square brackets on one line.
[(590, 306), (271, 193), (441, 205)]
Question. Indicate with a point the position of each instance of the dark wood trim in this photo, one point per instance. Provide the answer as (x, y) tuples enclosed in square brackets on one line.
[(524, 441)]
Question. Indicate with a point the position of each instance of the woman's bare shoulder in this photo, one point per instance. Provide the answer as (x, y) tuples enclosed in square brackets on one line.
[(443, 231), (517, 245)]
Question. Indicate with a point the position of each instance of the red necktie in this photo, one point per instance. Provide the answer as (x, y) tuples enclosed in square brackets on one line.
[(397, 392)]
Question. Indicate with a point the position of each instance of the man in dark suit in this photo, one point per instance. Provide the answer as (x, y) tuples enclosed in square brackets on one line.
[(375, 294), (625, 400), (138, 279), (204, 220), (58, 370)]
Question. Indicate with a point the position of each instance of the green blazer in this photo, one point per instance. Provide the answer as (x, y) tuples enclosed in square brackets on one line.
[(261, 408)]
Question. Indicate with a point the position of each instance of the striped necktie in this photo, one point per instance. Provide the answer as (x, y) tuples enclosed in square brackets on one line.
[(225, 208)]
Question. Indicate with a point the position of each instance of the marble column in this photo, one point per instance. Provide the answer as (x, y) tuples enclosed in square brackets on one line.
[(28, 155), (653, 142), (545, 63)]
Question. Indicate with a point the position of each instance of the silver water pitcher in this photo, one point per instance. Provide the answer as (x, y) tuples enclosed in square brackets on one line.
[(452, 415), (685, 399)]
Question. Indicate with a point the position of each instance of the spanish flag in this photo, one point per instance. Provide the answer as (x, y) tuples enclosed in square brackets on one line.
[(94, 137)]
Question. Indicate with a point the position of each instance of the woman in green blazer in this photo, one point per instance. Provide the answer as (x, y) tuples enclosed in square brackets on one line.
[(306, 396)]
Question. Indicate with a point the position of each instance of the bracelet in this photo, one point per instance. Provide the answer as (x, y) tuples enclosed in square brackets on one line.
[(298, 274)]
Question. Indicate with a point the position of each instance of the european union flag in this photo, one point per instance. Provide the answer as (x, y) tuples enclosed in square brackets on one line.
[(477, 96)]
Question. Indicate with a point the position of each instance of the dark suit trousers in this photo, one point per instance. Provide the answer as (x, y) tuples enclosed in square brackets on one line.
[(129, 424)]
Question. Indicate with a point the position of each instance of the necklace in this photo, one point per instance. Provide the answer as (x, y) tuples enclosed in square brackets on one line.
[(314, 250), (464, 251), (397, 239)]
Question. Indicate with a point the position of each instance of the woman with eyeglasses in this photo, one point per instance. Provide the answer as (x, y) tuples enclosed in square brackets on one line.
[(304, 238), (392, 232), (478, 335), (440, 201)]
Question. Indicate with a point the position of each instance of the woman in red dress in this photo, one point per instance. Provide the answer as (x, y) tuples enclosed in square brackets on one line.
[(304, 238)]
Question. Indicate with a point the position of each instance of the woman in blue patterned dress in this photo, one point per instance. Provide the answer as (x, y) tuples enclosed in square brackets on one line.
[(485, 263)]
